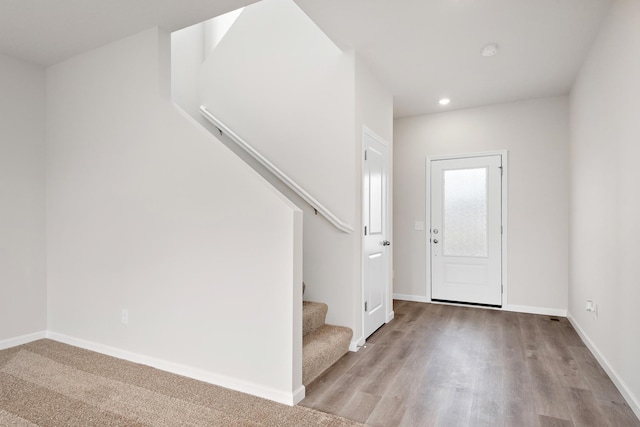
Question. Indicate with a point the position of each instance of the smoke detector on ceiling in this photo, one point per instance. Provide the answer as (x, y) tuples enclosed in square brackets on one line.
[(490, 49)]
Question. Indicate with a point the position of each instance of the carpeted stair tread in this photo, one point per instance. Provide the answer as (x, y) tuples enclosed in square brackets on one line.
[(322, 348), (313, 316)]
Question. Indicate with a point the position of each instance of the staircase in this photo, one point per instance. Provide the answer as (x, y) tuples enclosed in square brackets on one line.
[(322, 344)]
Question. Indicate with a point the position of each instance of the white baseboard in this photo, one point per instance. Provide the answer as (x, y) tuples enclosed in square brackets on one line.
[(536, 310), (390, 316), (517, 308), (412, 298), (299, 394), (632, 400), (355, 344), (23, 339), (186, 371)]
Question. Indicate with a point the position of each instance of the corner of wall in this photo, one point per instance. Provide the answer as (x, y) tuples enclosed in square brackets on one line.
[(625, 390), (164, 63)]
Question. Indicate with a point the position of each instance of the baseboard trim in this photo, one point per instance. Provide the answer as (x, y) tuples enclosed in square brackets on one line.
[(412, 298), (536, 310), (632, 400), (299, 394), (355, 344), (390, 316), (22, 339), (186, 371), (510, 307)]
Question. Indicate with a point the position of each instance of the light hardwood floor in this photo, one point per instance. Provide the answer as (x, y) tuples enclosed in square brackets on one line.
[(439, 365)]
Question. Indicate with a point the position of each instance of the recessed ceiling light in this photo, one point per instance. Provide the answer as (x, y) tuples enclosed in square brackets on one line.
[(444, 101), (490, 49)]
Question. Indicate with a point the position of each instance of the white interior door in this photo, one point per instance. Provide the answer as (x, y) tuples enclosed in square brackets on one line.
[(375, 243), (466, 230)]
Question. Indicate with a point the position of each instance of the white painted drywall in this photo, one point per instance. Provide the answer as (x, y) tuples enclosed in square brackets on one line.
[(216, 28), (535, 133), (187, 56), (22, 196), (148, 212), (283, 86), (278, 82), (605, 199), (373, 109)]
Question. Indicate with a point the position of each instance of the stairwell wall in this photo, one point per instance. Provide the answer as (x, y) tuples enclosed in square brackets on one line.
[(284, 87), (148, 213), (22, 199), (187, 56)]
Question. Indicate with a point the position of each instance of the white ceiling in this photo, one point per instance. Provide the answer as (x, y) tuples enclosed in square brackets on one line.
[(421, 50), (424, 50), (45, 32)]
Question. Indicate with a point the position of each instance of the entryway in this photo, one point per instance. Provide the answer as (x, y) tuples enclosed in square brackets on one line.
[(466, 232)]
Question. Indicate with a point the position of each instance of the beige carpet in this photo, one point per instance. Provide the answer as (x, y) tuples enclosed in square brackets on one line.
[(46, 383)]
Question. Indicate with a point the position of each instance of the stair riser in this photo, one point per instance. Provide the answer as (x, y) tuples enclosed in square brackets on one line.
[(314, 315), (323, 348)]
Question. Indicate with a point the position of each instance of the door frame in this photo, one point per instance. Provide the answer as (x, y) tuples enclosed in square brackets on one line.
[(505, 175), (388, 300)]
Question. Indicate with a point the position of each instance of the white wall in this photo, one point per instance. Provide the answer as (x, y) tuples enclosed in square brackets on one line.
[(22, 196), (535, 133), (216, 28), (284, 87), (187, 56), (373, 109), (278, 82), (148, 212), (605, 200)]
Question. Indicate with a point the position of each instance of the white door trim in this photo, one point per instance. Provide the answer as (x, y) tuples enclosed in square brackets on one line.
[(388, 294), (505, 192)]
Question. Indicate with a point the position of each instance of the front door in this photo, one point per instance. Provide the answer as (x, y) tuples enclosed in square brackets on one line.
[(375, 243), (466, 230)]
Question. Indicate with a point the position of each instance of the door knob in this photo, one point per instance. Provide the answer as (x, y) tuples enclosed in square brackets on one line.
[(435, 240), (386, 243)]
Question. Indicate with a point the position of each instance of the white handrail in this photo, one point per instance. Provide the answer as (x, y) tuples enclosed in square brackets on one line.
[(346, 228)]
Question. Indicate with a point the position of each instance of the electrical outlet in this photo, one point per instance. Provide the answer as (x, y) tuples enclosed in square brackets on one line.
[(592, 308), (124, 316)]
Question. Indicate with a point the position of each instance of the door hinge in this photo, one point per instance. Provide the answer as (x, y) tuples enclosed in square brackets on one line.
[(501, 170), (365, 230), (502, 289), (365, 154), (365, 306), (501, 229)]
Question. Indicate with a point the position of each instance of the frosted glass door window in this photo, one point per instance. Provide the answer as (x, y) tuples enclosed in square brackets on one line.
[(465, 213), (374, 172), (466, 233)]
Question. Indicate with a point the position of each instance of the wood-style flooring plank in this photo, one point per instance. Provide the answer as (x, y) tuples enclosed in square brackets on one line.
[(584, 409), (487, 406), (618, 414), (388, 412), (359, 407), (546, 421), (547, 392), (599, 383), (334, 399), (518, 394), (441, 365), (422, 409)]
